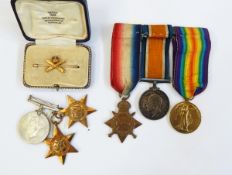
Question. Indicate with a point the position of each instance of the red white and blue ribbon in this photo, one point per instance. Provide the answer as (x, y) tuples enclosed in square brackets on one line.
[(125, 57)]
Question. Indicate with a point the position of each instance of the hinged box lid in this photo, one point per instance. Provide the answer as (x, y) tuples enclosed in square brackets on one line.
[(41, 20)]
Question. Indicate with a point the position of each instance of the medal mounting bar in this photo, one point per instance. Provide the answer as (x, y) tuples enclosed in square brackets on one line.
[(152, 80)]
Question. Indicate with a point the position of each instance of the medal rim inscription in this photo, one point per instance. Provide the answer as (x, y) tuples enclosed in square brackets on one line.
[(23, 133), (173, 115), (162, 95)]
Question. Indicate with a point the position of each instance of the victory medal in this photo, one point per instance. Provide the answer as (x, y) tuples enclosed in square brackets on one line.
[(191, 47)]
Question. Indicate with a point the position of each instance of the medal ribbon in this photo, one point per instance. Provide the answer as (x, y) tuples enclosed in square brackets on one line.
[(155, 52), (125, 57), (191, 56)]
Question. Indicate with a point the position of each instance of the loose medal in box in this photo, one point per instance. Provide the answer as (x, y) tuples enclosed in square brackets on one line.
[(54, 59)]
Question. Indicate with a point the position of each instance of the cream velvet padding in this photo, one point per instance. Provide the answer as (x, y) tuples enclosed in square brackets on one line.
[(71, 78), (51, 19)]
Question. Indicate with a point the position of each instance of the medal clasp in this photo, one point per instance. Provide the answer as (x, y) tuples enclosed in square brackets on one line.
[(43, 104)]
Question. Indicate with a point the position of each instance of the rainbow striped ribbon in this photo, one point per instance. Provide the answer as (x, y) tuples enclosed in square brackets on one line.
[(155, 52), (125, 57), (191, 56)]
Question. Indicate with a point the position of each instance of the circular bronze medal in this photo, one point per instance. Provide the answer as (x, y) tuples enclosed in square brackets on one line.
[(154, 104), (185, 117)]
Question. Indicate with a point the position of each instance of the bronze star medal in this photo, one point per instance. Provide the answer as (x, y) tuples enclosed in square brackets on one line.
[(60, 145), (123, 122), (77, 111)]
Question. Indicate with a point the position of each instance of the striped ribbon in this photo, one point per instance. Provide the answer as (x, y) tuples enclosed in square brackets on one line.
[(155, 52), (191, 56), (125, 57)]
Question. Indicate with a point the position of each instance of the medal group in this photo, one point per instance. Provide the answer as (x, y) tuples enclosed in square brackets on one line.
[(141, 53), (55, 58)]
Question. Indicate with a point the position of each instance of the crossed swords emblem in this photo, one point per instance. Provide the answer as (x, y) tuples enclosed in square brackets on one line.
[(55, 63)]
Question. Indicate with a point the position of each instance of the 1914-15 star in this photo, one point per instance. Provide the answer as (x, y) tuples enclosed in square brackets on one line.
[(123, 122), (77, 111), (60, 145)]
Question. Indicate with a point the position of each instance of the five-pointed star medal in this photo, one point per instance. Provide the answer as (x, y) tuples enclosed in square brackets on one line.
[(123, 122), (77, 111), (60, 145)]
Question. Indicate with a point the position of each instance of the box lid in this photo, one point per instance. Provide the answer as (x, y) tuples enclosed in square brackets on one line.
[(41, 20)]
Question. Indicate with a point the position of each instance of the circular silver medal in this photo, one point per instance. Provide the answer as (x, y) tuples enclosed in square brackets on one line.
[(34, 127), (154, 104)]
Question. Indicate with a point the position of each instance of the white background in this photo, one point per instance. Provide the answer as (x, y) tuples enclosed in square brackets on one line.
[(159, 149)]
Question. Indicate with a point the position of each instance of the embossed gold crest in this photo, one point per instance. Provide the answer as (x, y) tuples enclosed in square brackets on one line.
[(185, 117), (55, 63)]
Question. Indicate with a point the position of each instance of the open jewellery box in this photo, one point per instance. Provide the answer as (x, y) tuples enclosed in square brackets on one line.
[(54, 58)]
